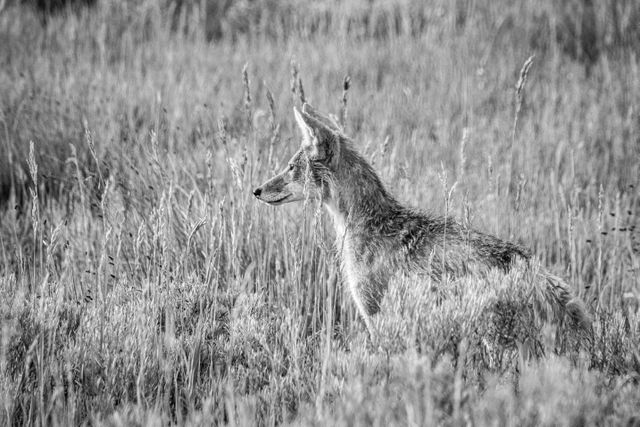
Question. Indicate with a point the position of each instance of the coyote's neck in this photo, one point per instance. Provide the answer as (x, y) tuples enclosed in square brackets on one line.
[(359, 202)]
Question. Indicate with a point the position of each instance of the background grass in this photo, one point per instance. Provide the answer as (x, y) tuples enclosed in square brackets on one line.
[(143, 284)]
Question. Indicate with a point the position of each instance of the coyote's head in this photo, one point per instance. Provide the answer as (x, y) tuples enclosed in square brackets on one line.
[(309, 172)]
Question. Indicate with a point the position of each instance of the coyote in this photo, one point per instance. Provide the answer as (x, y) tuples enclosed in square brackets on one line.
[(376, 236)]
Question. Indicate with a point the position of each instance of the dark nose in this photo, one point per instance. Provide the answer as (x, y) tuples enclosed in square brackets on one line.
[(257, 192)]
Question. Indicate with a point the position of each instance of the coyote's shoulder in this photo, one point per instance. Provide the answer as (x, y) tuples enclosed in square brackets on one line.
[(376, 236)]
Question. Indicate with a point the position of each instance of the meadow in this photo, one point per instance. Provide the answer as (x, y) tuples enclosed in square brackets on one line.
[(143, 284)]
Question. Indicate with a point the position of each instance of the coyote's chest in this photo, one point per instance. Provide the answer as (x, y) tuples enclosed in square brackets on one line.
[(351, 267), (361, 256)]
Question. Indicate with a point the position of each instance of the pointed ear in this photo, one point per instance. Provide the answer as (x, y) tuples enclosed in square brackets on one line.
[(307, 133), (317, 137), (326, 120)]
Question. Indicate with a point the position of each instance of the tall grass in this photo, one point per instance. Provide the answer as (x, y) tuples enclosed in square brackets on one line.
[(143, 284)]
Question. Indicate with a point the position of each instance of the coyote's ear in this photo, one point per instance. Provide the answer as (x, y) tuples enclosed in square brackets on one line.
[(317, 137), (328, 121), (307, 133)]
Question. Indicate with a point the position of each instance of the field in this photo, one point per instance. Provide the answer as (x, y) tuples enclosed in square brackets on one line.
[(143, 284)]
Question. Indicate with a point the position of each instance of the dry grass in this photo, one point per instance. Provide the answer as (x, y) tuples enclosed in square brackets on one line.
[(142, 284)]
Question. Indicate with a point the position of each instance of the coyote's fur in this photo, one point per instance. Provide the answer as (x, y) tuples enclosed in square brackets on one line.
[(376, 236)]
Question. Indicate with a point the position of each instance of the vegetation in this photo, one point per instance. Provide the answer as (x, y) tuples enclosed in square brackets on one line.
[(143, 284)]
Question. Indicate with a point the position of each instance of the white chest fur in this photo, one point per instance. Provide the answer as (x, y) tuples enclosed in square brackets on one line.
[(344, 247), (339, 221)]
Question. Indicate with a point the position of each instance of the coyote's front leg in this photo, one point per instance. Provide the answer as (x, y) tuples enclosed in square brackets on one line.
[(367, 293)]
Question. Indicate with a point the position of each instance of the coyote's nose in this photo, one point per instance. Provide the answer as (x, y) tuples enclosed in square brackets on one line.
[(257, 192)]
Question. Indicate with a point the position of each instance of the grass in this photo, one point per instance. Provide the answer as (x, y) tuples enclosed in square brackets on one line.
[(143, 284)]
